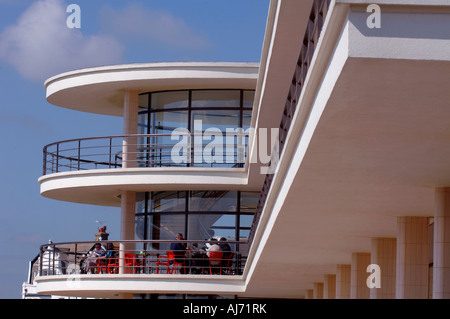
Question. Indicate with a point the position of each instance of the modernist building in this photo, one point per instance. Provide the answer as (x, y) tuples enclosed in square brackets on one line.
[(356, 204)]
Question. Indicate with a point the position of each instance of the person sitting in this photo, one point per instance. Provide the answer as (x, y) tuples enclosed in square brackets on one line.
[(179, 250), (226, 251), (91, 261), (214, 262)]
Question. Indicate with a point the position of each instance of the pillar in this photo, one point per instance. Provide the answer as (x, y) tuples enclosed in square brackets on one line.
[(329, 287), (384, 253), (128, 198), (309, 294), (359, 274), (318, 290), (441, 244), (130, 126), (412, 258), (343, 281)]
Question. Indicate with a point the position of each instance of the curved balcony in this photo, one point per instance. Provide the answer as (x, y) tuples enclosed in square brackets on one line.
[(64, 268), (178, 149), (97, 170)]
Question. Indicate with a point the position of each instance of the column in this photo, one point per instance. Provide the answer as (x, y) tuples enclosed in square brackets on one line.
[(343, 281), (128, 198), (318, 290), (441, 244), (329, 287), (359, 274), (383, 253), (412, 258), (309, 294), (130, 126)]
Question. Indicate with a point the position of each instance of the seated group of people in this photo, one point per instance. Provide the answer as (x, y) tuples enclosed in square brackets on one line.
[(195, 260), (99, 255)]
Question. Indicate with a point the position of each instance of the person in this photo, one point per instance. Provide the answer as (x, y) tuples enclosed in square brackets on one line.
[(198, 260), (179, 250), (91, 261), (214, 247), (226, 249)]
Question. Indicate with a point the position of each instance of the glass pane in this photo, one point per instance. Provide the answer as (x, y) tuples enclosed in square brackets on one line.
[(167, 100), (199, 226), (206, 226), (215, 143), (216, 98), (168, 201), (246, 119), (166, 122), (246, 220), (143, 122), (249, 201), (249, 96), (143, 101), (221, 119), (163, 124), (214, 201)]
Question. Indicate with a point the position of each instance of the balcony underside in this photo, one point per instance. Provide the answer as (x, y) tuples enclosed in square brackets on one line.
[(104, 186), (375, 146), (114, 286)]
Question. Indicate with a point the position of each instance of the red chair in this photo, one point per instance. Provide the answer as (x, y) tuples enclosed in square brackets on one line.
[(130, 262), (215, 261), (163, 260), (102, 265), (226, 264), (113, 265), (176, 266)]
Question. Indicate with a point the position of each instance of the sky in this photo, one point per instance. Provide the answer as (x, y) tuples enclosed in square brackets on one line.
[(36, 43)]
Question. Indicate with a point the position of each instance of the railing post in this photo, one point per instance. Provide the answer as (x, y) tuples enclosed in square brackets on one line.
[(57, 158), (110, 151), (41, 256), (44, 165), (79, 153)]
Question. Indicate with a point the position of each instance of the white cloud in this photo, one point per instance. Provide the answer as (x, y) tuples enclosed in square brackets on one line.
[(152, 27), (41, 45)]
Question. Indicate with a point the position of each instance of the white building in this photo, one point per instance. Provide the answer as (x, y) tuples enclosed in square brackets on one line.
[(360, 93)]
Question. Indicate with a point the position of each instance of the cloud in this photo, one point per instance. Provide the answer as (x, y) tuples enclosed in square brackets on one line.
[(152, 27), (41, 45)]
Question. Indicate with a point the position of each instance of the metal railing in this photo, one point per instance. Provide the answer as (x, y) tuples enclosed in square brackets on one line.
[(319, 10), (144, 150), (139, 257)]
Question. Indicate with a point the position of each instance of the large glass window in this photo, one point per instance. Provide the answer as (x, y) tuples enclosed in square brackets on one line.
[(198, 215), (195, 127)]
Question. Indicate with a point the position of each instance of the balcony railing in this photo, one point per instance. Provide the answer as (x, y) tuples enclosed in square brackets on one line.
[(145, 150), (319, 11), (139, 257)]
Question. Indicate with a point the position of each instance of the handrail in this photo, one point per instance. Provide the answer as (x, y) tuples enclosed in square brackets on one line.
[(142, 150), (138, 257), (319, 11)]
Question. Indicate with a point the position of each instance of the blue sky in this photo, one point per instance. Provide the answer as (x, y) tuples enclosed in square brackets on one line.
[(35, 44)]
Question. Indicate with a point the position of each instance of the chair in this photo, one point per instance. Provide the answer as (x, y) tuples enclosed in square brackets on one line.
[(215, 261), (130, 261), (163, 260), (113, 265), (227, 262), (102, 265), (176, 266)]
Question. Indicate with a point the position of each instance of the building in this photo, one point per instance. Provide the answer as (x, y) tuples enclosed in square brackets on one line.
[(353, 203)]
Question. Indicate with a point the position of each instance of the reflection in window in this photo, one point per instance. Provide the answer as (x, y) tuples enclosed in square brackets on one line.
[(216, 98), (204, 214), (167, 100), (217, 201), (168, 201)]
